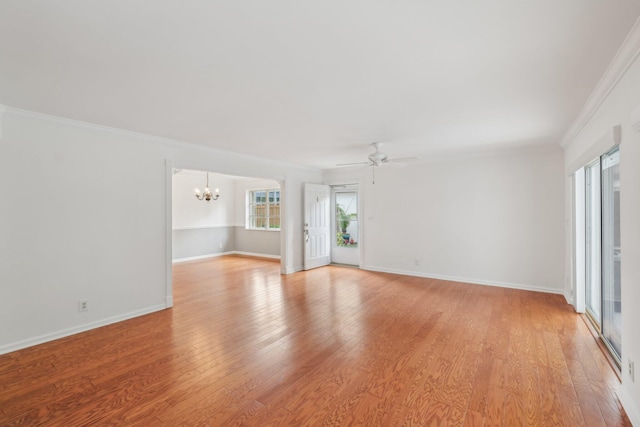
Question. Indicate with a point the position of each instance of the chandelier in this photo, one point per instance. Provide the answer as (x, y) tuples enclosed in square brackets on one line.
[(206, 194)]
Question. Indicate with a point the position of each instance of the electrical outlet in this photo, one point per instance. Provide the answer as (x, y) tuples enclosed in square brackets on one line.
[(416, 261), (632, 371), (83, 305), (220, 245)]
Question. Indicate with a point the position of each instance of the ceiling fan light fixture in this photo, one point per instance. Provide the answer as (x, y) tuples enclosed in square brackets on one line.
[(378, 158)]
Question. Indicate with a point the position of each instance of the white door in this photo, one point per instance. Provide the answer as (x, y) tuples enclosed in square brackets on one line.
[(317, 225)]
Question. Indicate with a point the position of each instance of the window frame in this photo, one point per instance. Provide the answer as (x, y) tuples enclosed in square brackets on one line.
[(271, 215)]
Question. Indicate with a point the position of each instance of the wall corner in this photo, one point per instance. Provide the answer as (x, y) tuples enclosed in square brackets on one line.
[(635, 119), (2, 110)]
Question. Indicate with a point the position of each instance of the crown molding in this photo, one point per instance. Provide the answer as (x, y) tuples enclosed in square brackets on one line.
[(611, 137), (625, 56), (17, 112), (168, 142)]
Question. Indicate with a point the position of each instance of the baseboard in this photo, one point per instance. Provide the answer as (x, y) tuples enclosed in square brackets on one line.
[(466, 280), (568, 299), (250, 254), (77, 329), (194, 258), (255, 255), (201, 227), (630, 407)]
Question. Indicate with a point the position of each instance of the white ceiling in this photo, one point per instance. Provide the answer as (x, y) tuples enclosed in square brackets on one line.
[(314, 82)]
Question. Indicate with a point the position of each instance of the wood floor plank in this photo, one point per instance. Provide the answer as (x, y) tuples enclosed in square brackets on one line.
[(473, 419), (513, 410), (371, 412), (588, 402), (495, 414), (550, 398), (608, 407), (480, 391), (244, 345), (531, 394)]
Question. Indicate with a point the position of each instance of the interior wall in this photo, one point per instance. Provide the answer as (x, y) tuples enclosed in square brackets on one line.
[(89, 220), (258, 242), (615, 110), (496, 218), (189, 212), (201, 228)]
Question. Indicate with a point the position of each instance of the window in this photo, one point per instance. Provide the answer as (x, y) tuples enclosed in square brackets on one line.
[(263, 209)]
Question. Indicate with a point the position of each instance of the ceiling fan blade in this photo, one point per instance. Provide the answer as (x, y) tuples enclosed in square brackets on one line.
[(394, 165), (399, 162), (404, 160), (354, 164)]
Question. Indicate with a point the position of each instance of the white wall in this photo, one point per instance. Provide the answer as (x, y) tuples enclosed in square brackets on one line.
[(84, 216), (189, 212), (490, 219), (585, 146)]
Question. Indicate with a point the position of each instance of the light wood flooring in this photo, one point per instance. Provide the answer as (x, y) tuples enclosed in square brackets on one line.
[(330, 347)]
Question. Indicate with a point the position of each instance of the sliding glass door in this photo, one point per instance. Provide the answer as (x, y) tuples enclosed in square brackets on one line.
[(611, 294), (592, 242), (601, 214)]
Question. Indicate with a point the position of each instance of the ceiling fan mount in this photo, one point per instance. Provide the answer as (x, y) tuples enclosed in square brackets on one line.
[(377, 158)]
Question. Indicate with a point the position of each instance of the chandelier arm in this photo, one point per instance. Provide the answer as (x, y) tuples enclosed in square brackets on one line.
[(207, 194)]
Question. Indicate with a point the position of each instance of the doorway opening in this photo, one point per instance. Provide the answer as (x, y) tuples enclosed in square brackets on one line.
[(332, 226), (244, 220)]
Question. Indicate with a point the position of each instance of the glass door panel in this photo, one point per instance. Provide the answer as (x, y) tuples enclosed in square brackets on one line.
[(345, 246), (592, 242), (611, 289), (347, 219)]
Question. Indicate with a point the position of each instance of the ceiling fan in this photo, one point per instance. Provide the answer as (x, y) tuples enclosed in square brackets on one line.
[(378, 158)]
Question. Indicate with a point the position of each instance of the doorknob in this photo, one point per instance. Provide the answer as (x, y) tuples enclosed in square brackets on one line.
[(306, 232)]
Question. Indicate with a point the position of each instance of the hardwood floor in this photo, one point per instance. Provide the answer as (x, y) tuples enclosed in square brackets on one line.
[(333, 346)]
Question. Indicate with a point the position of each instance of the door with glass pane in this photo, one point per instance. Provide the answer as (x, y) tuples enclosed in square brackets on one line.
[(611, 289), (317, 227), (345, 248)]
